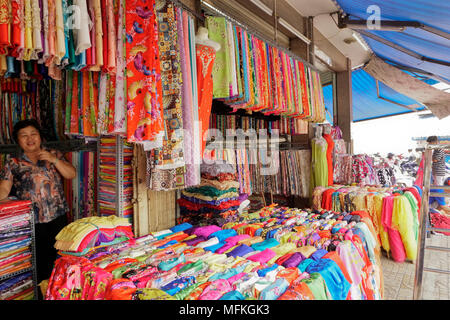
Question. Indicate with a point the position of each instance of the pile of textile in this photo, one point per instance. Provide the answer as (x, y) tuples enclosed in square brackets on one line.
[(393, 211), (216, 200), (275, 253), (439, 220), (15, 250), (84, 234)]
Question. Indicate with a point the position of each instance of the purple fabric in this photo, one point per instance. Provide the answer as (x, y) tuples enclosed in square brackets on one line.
[(294, 260), (318, 254), (243, 197), (206, 230), (240, 251), (195, 241), (224, 248)]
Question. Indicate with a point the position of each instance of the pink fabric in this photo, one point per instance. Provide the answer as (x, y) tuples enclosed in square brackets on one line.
[(216, 290), (263, 256), (236, 277), (235, 239), (395, 240), (224, 248)]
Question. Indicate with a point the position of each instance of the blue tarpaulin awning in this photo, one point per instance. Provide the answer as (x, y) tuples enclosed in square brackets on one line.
[(366, 103), (403, 49)]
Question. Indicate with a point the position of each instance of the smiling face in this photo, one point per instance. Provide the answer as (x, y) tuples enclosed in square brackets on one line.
[(29, 139)]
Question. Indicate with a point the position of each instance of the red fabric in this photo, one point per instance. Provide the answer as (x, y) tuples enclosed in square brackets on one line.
[(440, 221), (330, 148)]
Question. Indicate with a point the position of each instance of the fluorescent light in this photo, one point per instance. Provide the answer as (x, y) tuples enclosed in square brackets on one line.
[(360, 42), (322, 55), (262, 6), (297, 33)]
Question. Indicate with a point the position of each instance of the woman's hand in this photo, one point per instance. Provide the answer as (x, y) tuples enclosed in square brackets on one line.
[(48, 156)]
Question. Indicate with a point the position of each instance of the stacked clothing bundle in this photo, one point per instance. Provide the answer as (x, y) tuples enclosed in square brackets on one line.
[(82, 235), (217, 197), (393, 211), (275, 253), (15, 250)]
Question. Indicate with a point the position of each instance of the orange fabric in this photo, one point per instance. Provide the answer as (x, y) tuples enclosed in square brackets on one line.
[(205, 62), (290, 274), (297, 291)]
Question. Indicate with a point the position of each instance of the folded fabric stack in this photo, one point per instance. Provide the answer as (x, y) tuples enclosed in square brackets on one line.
[(393, 211), (216, 200), (275, 253), (84, 234), (15, 250)]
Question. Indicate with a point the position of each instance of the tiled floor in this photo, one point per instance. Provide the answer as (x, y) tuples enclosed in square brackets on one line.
[(399, 277)]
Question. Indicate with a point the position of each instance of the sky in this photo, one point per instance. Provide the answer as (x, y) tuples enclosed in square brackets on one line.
[(394, 134)]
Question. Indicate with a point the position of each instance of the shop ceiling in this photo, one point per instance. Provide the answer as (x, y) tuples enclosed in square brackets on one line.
[(414, 38)]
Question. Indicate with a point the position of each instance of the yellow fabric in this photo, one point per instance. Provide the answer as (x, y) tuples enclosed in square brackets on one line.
[(402, 220), (384, 237)]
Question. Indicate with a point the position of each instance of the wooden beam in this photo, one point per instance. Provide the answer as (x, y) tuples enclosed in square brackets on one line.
[(344, 114)]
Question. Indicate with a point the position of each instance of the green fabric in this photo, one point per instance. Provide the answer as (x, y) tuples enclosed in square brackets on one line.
[(317, 285), (217, 31), (414, 208), (210, 191), (319, 165)]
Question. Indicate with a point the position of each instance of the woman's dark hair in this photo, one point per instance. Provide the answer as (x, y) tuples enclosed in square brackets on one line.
[(432, 139), (23, 124)]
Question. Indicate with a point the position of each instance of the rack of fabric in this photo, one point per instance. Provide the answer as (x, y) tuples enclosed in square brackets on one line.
[(275, 253), (393, 211), (284, 125), (17, 252), (251, 74)]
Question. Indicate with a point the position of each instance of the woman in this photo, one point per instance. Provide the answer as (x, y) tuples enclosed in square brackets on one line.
[(36, 176)]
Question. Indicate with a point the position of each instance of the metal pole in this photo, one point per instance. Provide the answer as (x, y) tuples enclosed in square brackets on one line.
[(424, 212)]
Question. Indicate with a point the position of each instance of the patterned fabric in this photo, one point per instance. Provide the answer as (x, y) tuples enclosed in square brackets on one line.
[(144, 106), (167, 163), (40, 183)]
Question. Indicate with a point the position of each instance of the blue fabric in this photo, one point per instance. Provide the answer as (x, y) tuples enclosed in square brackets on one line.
[(171, 263), (240, 251), (223, 234), (439, 200), (181, 227), (266, 244), (178, 284), (304, 264), (337, 285), (168, 244), (263, 272), (274, 290), (232, 295), (318, 254)]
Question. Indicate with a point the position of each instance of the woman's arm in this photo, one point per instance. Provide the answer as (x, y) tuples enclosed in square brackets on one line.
[(66, 169), (5, 189)]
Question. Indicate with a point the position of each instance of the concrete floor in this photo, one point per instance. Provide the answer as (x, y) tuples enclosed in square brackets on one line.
[(399, 277)]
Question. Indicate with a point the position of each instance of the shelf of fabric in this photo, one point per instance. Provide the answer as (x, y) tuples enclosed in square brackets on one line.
[(277, 253), (115, 186), (17, 251)]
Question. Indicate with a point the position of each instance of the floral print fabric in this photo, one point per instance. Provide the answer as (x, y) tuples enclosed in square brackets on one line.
[(144, 103)]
